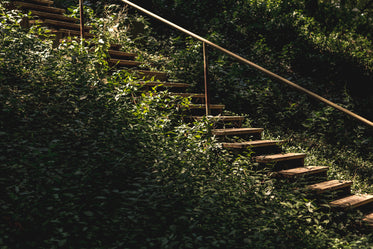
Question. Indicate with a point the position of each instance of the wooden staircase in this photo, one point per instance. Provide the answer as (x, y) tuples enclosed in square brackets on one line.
[(228, 129)]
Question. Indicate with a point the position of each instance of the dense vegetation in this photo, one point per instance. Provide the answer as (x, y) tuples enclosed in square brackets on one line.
[(328, 51), (89, 161)]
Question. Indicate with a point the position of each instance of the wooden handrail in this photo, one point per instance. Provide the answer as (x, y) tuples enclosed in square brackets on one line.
[(252, 64)]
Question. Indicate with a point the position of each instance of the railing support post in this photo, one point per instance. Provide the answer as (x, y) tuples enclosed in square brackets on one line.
[(205, 63), (81, 19)]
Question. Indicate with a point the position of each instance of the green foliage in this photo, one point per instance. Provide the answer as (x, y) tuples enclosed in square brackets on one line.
[(279, 32), (330, 54), (90, 161)]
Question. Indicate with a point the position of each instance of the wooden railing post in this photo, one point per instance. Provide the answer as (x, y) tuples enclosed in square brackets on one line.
[(205, 64), (81, 19)]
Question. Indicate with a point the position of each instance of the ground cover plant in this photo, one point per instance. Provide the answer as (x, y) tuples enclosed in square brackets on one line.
[(89, 161)]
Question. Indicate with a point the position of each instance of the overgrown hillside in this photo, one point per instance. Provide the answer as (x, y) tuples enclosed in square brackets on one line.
[(328, 51), (89, 161), (331, 44)]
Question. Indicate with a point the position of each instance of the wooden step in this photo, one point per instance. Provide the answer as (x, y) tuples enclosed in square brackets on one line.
[(329, 186), (352, 201), (196, 98), (220, 121), (279, 157), (302, 171), (115, 54), (123, 63), (70, 33), (31, 6), (252, 144), (114, 47), (93, 44), (59, 24), (45, 2), (220, 118), (151, 75), (236, 131), (192, 95), (368, 219), (164, 84), (203, 106), (47, 15)]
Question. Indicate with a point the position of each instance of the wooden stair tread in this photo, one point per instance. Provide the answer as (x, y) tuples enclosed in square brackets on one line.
[(46, 2), (115, 47), (60, 24), (236, 131), (120, 54), (369, 219), (302, 171), (255, 144), (212, 106), (279, 157), (151, 74), (60, 17), (352, 201), (70, 32), (220, 118), (164, 84), (329, 186), (193, 95), (123, 63), (33, 6)]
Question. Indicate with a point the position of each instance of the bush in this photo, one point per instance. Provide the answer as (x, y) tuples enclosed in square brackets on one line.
[(90, 161)]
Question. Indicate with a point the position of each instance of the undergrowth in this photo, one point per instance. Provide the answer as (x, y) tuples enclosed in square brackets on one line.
[(329, 54), (90, 161)]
